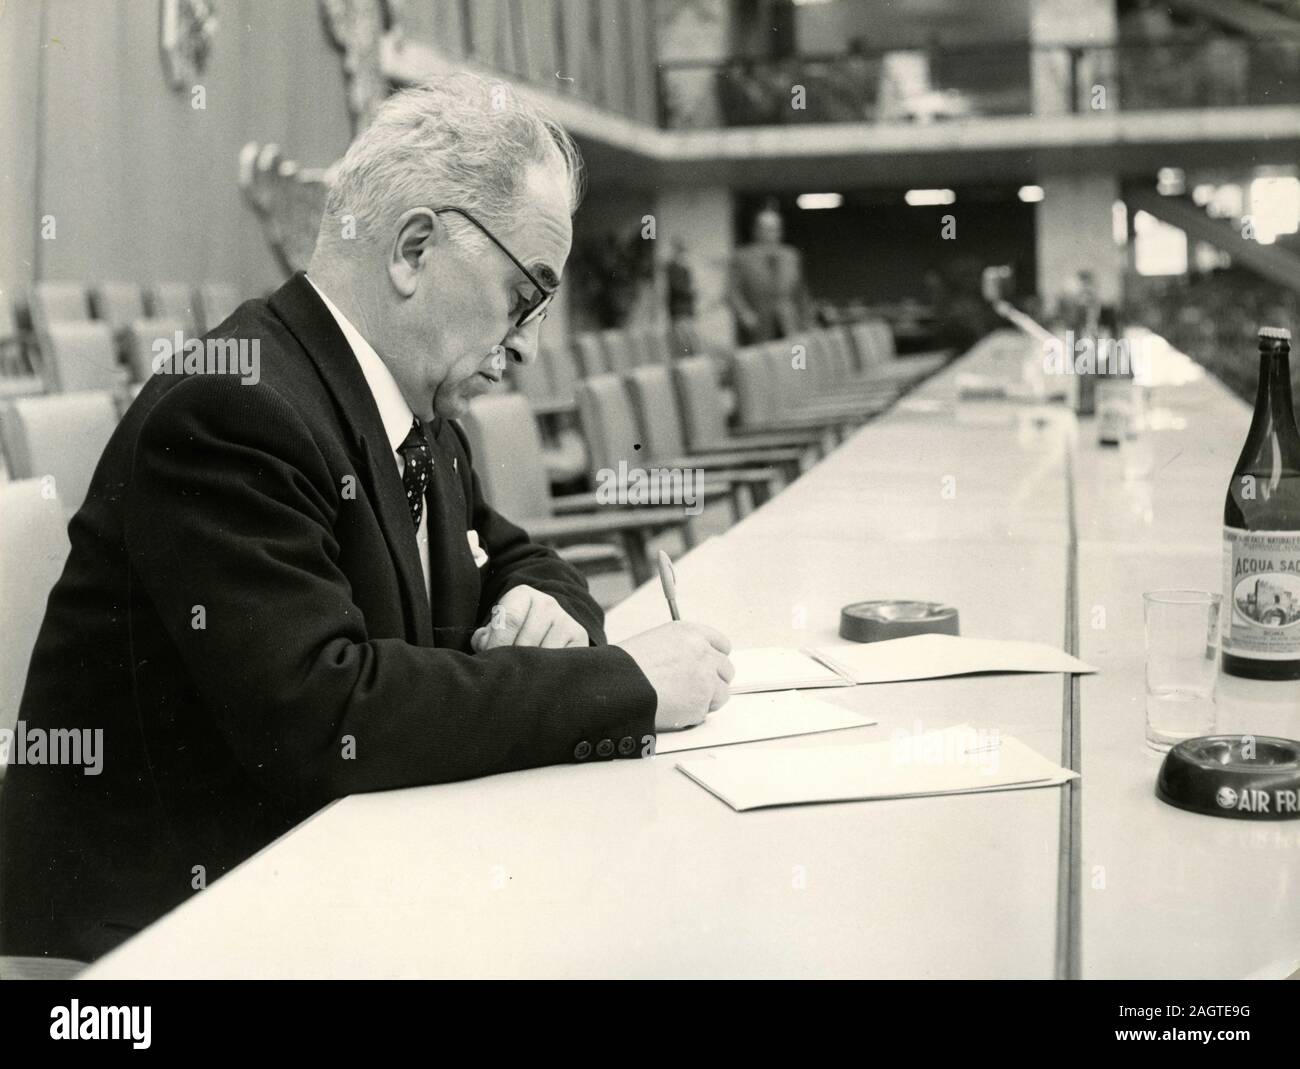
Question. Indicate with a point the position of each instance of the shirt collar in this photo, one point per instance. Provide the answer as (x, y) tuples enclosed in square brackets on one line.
[(394, 412)]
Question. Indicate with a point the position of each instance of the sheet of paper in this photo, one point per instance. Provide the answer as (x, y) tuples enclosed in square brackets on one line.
[(932, 656), (749, 717), (958, 760), (780, 668)]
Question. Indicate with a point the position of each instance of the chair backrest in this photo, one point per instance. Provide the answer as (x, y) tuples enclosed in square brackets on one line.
[(532, 380), (33, 549), (825, 368), (620, 353), (58, 302), (563, 370), (608, 424), (11, 347), (654, 347), (80, 356), (119, 303), (507, 453), (874, 342), (591, 355), (843, 343), (840, 351), (216, 301), (656, 410), (754, 386), (685, 337), (793, 377), (141, 335), (885, 336), (8, 320), (62, 435), (700, 398), (173, 300)]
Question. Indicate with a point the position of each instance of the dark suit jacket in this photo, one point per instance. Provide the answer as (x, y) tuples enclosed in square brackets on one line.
[(244, 615)]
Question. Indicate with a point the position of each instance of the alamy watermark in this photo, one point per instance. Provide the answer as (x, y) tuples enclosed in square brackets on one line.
[(1074, 355), (975, 747), (179, 355), (651, 486), (21, 745)]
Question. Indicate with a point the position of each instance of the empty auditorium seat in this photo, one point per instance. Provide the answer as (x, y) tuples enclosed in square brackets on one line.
[(59, 435), (80, 356), (655, 403), (33, 548), (174, 300), (507, 457), (591, 354), (139, 341), (614, 436), (702, 408), (58, 302), (119, 304)]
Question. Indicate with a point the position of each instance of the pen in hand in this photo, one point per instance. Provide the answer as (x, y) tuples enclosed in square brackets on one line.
[(668, 580)]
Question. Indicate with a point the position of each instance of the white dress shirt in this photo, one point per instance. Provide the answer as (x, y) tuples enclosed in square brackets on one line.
[(395, 413)]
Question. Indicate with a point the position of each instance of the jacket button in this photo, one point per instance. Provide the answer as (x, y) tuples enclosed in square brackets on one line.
[(582, 751), (627, 745), (605, 748)]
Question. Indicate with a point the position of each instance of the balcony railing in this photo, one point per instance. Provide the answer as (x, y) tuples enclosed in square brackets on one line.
[(928, 85)]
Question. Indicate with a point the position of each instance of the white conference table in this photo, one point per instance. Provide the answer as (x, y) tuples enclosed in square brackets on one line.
[(630, 869)]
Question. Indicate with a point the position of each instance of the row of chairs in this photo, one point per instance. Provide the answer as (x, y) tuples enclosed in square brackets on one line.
[(796, 398), (69, 336), (799, 396)]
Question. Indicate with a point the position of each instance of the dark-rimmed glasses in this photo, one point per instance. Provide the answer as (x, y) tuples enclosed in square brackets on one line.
[(536, 310)]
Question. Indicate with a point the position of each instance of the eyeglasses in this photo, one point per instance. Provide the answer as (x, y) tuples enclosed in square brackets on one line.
[(536, 310)]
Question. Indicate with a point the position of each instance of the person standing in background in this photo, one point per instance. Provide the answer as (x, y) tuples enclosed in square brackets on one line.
[(681, 284), (768, 293)]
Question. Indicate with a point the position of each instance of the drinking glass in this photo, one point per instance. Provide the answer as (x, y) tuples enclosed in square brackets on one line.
[(1182, 635)]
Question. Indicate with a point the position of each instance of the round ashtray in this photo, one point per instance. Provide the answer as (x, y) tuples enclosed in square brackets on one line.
[(1246, 777), (875, 621)]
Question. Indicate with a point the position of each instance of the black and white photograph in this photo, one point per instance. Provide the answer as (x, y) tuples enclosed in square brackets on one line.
[(651, 490)]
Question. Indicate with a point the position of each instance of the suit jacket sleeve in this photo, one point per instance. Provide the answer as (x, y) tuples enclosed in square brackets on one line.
[(514, 560), (230, 513)]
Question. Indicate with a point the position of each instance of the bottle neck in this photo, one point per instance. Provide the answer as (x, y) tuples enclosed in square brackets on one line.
[(1274, 413)]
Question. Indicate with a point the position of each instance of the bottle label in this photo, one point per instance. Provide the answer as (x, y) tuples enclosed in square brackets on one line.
[(1261, 588)]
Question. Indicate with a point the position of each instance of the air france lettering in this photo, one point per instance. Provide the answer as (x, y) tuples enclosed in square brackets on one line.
[(1254, 800), (102, 1022)]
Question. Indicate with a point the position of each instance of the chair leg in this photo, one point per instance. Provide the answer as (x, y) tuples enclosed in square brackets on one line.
[(634, 545)]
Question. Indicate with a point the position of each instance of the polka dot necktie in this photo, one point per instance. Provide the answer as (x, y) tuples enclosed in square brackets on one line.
[(414, 451)]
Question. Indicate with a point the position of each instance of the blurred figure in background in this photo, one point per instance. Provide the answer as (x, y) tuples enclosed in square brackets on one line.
[(768, 293), (1084, 312), (680, 283)]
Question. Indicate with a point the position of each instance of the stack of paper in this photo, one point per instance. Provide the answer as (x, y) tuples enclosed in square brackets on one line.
[(933, 656), (749, 717), (781, 668), (958, 760)]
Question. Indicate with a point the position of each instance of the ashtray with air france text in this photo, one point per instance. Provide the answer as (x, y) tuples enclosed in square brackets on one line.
[(1246, 777)]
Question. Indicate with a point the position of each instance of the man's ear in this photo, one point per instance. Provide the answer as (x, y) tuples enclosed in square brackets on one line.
[(418, 232)]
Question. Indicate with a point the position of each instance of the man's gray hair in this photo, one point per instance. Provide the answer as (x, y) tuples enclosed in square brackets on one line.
[(459, 140)]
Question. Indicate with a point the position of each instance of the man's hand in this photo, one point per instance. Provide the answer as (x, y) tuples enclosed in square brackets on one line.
[(688, 667), (526, 617)]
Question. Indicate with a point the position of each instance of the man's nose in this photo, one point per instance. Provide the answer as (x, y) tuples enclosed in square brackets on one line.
[(523, 342)]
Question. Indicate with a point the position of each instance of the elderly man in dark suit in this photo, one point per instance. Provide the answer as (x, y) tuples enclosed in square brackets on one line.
[(768, 292), (286, 587)]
